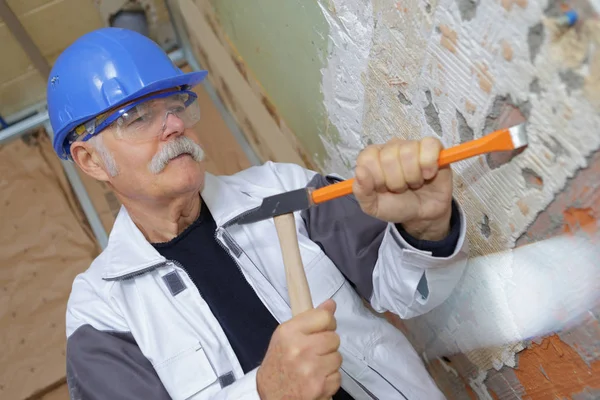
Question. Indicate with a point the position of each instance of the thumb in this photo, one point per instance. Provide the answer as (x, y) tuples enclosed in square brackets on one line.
[(328, 305), (364, 190)]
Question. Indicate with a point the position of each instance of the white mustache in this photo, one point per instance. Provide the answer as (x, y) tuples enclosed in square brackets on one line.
[(174, 148)]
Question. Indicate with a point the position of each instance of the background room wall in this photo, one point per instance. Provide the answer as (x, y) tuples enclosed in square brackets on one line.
[(46, 241), (337, 75)]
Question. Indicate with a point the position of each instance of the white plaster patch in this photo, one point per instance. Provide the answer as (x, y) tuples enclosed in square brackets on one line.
[(350, 37), (513, 296)]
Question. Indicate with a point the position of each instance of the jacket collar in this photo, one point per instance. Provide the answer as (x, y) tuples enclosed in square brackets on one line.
[(129, 253)]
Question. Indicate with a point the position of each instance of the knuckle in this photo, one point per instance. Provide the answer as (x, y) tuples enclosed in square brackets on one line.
[(407, 152), (431, 142), (284, 330), (322, 315), (429, 150), (337, 341), (307, 371), (294, 352), (367, 153), (337, 379), (317, 386), (389, 155)]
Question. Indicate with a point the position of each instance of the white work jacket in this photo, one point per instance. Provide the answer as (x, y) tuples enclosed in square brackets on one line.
[(137, 327)]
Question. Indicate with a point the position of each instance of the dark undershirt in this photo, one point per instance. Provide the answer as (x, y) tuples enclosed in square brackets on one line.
[(245, 320)]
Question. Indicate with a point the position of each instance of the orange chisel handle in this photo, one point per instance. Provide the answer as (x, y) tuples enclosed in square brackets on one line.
[(496, 141)]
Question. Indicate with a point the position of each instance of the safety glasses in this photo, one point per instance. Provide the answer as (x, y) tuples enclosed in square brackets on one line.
[(144, 119)]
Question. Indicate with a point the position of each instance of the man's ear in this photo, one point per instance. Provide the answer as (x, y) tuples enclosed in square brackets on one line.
[(86, 157)]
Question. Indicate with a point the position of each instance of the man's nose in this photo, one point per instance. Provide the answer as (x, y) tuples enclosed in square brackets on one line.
[(172, 126)]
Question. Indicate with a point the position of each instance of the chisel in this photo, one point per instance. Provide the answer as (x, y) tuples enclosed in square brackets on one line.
[(301, 199)]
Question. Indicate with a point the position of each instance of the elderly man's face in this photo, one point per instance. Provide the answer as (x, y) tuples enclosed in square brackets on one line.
[(149, 154), (168, 166)]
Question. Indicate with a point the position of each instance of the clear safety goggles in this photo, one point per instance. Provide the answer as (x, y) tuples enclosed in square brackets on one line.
[(144, 119)]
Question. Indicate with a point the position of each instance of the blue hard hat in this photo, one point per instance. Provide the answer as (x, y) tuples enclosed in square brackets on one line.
[(103, 69)]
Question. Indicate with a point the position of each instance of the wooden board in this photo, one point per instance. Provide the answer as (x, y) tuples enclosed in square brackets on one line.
[(224, 155), (40, 19)]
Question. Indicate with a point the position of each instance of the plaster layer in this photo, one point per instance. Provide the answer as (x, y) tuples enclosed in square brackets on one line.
[(350, 38), (445, 69), (417, 84)]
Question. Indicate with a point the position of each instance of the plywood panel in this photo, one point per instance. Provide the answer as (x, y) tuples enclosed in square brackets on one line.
[(44, 243), (56, 26), (52, 25), (224, 155), (21, 7), (24, 91), (14, 60)]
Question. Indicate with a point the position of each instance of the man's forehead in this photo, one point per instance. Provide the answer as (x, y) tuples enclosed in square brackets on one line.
[(141, 98)]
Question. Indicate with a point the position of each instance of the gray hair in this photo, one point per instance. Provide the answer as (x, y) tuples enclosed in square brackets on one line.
[(172, 149), (107, 158)]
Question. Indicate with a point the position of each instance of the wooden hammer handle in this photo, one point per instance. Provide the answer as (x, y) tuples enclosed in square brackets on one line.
[(298, 291), (297, 283)]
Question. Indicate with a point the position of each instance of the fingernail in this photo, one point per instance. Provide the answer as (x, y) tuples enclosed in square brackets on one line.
[(428, 173)]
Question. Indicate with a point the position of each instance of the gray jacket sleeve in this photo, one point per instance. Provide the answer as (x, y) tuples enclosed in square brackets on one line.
[(352, 239), (109, 365), (349, 237)]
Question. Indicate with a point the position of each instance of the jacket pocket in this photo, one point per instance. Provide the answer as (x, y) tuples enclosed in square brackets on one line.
[(187, 373), (324, 279)]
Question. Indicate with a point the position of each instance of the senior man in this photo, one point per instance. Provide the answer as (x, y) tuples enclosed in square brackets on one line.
[(185, 304)]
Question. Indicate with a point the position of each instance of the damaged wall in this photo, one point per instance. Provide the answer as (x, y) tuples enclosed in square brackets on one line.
[(527, 307)]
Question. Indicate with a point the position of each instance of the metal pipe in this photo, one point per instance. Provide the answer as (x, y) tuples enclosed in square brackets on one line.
[(83, 197), (178, 57), (23, 127), (184, 44), (25, 112)]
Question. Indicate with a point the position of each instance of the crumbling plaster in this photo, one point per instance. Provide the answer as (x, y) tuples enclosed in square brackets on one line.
[(450, 69)]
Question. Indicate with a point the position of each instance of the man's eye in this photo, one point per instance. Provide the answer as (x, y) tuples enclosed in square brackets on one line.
[(136, 121), (177, 109)]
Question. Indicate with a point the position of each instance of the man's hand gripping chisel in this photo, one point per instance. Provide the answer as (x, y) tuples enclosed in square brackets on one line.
[(280, 207), (296, 200)]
